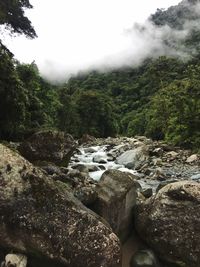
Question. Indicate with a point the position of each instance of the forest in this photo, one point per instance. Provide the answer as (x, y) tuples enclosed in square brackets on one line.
[(159, 99)]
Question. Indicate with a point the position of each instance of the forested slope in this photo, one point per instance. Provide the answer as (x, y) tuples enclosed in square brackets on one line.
[(160, 98)]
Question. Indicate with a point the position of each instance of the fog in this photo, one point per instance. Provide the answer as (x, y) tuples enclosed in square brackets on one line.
[(76, 35)]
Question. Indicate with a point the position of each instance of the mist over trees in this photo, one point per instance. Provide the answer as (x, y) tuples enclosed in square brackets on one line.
[(160, 98)]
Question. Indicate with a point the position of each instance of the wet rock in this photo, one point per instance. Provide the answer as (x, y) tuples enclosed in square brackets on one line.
[(144, 258), (48, 146), (41, 218), (117, 192), (15, 260), (102, 167), (92, 168), (81, 168), (89, 150), (169, 223), (99, 159), (147, 192), (195, 177)]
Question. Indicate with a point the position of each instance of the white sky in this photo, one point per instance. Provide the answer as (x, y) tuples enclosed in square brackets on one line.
[(76, 34)]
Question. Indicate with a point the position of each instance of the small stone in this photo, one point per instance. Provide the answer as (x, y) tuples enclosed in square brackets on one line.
[(172, 154), (195, 177), (147, 192), (99, 159), (15, 260), (157, 151), (89, 150), (144, 258), (192, 158), (157, 162)]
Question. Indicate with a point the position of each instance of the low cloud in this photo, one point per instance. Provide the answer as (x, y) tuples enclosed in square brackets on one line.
[(101, 44), (140, 42)]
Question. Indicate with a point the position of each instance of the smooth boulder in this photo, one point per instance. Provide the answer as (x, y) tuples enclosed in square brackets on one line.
[(169, 223), (42, 219), (117, 192), (48, 146), (133, 158)]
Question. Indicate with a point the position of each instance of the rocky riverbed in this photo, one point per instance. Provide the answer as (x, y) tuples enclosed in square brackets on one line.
[(153, 163), (79, 201)]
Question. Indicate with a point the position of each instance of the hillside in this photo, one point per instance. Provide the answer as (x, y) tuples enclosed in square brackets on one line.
[(160, 98)]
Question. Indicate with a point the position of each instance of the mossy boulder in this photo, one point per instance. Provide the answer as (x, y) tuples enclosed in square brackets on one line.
[(42, 219), (48, 146), (169, 223)]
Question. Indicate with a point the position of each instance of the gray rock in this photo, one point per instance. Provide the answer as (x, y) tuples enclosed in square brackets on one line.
[(134, 157), (99, 159), (147, 192), (48, 146), (144, 258), (92, 168), (117, 192), (89, 150), (192, 158), (41, 218), (81, 168), (169, 223), (195, 176)]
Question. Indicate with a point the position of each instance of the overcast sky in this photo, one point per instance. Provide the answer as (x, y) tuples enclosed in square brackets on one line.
[(76, 34)]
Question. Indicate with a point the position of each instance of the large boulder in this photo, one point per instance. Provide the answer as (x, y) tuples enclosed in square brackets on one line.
[(117, 192), (48, 146), (133, 158), (42, 219), (169, 223)]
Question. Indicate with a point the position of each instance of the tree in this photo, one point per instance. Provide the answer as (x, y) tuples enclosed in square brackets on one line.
[(13, 99), (96, 114), (68, 119), (175, 113), (12, 16)]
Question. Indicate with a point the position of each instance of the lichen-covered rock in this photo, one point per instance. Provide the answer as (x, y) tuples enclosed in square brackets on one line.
[(48, 146), (169, 222), (117, 192), (42, 219)]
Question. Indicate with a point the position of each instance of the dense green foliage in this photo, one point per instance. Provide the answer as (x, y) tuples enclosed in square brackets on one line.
[(12, 16), (160, 98)]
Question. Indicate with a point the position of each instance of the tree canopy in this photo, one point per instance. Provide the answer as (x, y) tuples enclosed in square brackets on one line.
[(160, 98), (13, 17)]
